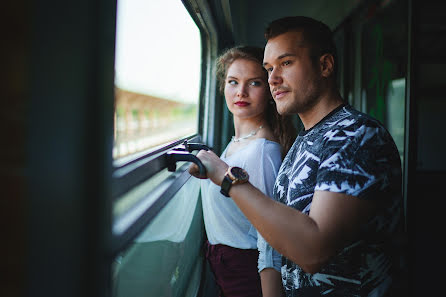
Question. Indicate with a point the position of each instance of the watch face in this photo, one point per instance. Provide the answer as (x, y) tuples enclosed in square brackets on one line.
[(239, 173)]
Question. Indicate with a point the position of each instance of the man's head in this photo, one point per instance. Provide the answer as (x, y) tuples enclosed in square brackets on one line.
[(299, 57), (316, 35)]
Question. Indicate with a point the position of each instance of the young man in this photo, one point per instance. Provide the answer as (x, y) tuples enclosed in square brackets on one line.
[(338, 190)]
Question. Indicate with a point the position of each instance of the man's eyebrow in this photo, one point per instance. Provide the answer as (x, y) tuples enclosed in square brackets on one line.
[(285, 55), (281, 57)]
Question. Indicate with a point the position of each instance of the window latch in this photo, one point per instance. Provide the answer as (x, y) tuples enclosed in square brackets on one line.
[(177, 155), (190, 147)]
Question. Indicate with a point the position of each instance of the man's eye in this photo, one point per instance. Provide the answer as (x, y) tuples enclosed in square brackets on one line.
[(285, 63)]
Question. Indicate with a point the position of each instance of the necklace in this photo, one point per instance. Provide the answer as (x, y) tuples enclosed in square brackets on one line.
[(253, 132)]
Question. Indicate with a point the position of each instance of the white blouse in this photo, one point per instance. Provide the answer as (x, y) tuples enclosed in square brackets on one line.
[(224, 221)]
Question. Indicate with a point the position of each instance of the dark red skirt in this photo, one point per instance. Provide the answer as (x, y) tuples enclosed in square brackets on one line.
[(235, 270)]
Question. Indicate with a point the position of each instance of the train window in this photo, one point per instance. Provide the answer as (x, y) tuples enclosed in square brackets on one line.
[(158, 65), (384, 66), (162, 47), (157, 75)]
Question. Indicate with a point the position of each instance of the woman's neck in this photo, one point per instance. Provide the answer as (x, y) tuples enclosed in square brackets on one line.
[(245, 127)]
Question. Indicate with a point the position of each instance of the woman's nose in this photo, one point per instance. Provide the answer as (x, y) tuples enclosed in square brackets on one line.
[(241, 91)]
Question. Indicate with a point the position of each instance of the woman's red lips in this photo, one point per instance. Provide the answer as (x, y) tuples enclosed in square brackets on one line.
[(241, 103)]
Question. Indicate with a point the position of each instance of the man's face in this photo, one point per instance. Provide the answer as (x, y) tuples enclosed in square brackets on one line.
[(293, 79)]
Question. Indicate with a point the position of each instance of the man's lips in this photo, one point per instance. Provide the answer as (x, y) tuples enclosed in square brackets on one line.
[(280, 94), (241, 103)]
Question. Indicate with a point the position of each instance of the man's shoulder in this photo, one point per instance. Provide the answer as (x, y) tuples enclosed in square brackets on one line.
[(349, 119), (351, 130), (348, 112)]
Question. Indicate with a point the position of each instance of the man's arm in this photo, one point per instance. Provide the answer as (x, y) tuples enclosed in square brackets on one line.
[(307, 240)]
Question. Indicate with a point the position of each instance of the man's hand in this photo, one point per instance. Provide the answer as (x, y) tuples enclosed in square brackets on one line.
[(215, 167)]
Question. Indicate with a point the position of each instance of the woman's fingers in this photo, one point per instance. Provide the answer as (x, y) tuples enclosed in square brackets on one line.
[(215, 167), (195, 171)]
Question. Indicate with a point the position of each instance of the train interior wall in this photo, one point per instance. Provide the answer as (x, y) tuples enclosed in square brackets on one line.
[(53, 125), (426, 199)]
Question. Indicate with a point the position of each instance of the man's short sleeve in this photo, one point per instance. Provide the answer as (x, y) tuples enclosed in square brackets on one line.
[(365, 161)]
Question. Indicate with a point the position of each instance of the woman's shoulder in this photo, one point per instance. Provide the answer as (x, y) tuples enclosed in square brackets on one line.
[(269, 149), (265, 145), (257, 148), (271, 144)]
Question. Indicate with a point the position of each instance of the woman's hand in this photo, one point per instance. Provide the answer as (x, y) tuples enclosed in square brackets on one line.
[(215, 167)]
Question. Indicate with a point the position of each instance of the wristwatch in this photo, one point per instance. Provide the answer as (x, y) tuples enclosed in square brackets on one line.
[(234, 175)]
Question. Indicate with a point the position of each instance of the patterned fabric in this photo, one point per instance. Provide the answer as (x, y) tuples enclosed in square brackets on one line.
[(346, 152)]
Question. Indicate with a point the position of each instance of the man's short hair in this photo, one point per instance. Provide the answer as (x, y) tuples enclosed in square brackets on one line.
[(318, 35)]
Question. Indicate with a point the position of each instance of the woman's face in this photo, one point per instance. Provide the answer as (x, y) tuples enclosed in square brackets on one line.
[(246, 89)]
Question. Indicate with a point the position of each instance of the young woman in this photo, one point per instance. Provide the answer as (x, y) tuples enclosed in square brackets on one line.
[(235, 251)]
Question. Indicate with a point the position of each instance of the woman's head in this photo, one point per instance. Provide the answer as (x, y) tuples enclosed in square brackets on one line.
[(245, 85), (244, 82), (226, 59)]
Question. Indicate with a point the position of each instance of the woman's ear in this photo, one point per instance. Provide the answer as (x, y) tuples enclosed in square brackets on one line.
[(327, 65)]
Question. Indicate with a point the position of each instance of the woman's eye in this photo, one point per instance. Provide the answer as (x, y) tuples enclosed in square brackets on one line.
[(256, 83), (232, 82)]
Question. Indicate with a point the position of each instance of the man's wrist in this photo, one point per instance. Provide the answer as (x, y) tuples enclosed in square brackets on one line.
[(233, 176)]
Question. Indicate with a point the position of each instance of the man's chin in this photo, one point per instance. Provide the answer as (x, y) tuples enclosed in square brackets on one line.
[(283, 111)]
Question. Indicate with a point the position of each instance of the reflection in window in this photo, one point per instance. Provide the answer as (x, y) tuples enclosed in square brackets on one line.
[(157, 75), (395, 106), (384, 66), (155, 263)]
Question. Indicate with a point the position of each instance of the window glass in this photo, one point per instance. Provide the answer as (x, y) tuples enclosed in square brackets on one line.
[(384, 66), (166, 258), (157, 75)]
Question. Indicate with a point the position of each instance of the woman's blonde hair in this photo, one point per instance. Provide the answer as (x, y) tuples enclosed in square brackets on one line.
[(282, 126)]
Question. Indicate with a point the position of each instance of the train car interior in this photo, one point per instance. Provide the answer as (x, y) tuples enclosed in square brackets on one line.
[(108, 102)]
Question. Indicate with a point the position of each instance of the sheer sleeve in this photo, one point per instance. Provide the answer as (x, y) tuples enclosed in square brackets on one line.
[(269, 166)]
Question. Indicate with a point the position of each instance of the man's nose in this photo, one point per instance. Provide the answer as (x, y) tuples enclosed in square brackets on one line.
[(274, 77)]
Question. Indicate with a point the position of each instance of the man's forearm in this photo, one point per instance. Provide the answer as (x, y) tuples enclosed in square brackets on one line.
[(292, 233)]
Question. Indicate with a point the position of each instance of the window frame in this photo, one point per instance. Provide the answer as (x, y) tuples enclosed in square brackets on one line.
[(131, 171)]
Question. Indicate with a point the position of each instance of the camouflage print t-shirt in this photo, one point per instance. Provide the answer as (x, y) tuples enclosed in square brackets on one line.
[(346, 152)]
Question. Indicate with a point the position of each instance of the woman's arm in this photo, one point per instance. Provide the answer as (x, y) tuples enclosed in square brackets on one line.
[(271, 283), (270, 262)]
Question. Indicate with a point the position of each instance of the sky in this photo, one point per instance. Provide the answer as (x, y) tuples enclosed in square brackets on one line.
[(158, 49)]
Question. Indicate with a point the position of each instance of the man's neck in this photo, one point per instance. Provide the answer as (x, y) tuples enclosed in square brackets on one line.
[(324, 106)]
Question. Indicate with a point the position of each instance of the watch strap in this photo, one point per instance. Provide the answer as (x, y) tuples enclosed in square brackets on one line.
[(226, 185)]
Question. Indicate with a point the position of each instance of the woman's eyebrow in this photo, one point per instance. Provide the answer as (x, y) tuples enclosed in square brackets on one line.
[(257, 77), (251, 78)]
